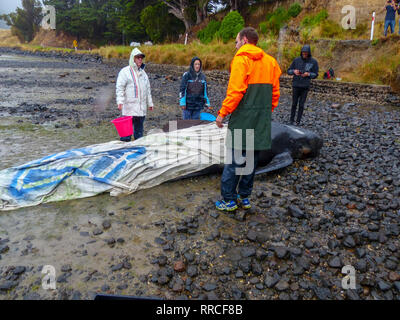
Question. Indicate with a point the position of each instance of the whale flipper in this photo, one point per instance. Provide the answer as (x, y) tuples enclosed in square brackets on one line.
[(280, 161)]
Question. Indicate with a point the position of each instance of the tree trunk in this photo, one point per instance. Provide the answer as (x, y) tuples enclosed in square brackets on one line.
[(199, 15), (233, 4), (177, 8)]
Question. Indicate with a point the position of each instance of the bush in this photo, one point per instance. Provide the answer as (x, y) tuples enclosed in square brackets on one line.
[(207, 34), (294, 10), (277, 19), (314, 20), (331, 29), (230, 26)]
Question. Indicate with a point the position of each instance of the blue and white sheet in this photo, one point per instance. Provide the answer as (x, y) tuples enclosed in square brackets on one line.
[(115, 167)]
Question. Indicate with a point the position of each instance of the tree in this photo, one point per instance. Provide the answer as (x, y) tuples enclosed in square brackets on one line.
[(230, 26), (155, 18), (25, 22)]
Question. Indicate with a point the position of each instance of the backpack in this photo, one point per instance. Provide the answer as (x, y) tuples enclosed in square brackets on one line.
[(330, 74)]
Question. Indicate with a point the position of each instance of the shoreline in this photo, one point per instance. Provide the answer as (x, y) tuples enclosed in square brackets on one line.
[(348, 91)]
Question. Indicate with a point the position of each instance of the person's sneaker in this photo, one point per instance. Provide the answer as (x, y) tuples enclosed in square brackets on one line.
[(226, 206), (244, 203)]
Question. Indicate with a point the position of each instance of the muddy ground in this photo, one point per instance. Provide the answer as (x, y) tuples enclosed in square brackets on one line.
[(307, 220)]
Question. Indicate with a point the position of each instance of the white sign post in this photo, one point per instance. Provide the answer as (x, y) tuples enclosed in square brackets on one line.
[(372, 28), (186, 39)]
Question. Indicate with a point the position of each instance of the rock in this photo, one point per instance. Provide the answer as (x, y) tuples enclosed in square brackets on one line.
[(361, 265), (394, 276), (179, 266), (177, 286), (296, 212), (391, 265), (76, 295), (261, 254), (271, 281), (212, 296), (252, 235), (309, 244), (248, 252), (214, 214), (335, 262), (162, 280), (97, 231), (245, 265), (349, 242), (240, 215), (110, 241), (192, 271), (106, 224), (256, 268), (281, 252), (181, 229), (63, 278), (4, 248), (237, 293), (322, 293), (19, 270), (162, 260), (120, 240), (8, 285), (384, 286), (117, 267), (32, 296), (160, 241), (210, 286), (66, 268), (282, 285), (122, 286), (105, 288), (360, 252)]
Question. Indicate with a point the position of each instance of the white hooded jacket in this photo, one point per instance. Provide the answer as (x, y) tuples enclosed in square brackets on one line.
[(133, 88)]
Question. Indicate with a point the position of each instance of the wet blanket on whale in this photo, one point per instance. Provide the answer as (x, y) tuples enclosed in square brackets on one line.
[(115, 167)]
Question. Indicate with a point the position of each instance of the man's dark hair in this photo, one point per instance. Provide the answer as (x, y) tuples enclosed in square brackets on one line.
[(250, 33)]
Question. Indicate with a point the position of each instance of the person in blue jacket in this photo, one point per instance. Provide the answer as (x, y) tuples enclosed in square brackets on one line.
[(193, 91)]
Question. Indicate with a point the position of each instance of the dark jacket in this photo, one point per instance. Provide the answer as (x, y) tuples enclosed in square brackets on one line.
[(193, 90), (304, 65)]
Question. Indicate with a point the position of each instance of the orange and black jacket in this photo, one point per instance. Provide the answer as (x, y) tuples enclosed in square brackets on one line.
[(252, 95)]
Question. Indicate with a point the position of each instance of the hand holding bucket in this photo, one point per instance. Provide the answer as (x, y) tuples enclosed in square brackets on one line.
[(124, 126)]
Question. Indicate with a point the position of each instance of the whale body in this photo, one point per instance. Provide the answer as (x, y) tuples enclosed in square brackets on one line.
[(117, 167)]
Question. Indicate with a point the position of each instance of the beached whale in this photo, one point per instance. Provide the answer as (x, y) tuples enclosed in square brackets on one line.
[(288, 143), (119, 167)]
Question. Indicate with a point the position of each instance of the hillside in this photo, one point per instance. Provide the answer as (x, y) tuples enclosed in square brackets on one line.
[(349, 52)]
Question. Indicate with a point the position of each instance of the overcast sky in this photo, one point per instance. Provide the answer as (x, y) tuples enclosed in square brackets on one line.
[(7, 6)]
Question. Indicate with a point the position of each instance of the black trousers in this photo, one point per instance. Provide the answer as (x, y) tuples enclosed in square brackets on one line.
[(299, 97)]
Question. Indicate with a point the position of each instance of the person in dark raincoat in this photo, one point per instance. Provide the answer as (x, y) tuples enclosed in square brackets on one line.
[(193, 91)]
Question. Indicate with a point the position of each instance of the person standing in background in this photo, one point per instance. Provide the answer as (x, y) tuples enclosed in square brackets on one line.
[(390, 18), (193, 91), (133, 93), (303, 69)]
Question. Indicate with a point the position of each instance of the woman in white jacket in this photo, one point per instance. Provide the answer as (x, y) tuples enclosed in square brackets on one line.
[(133, 93)]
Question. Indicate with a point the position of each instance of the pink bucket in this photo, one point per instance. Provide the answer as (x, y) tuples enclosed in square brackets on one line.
[(123, 126)]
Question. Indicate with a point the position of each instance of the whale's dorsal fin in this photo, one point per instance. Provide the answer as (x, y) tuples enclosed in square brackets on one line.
[(280, 161)]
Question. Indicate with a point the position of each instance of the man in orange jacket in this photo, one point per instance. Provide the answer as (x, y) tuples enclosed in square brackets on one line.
[(252, 95)]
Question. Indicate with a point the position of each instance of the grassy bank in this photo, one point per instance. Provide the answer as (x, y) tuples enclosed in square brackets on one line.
[(377, 64)]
